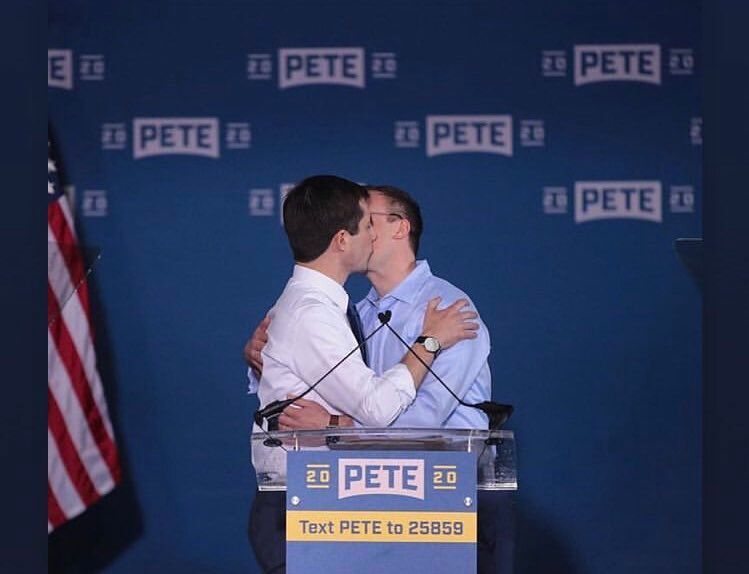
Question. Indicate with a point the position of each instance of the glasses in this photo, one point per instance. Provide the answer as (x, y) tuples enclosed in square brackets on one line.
[(398, 215)]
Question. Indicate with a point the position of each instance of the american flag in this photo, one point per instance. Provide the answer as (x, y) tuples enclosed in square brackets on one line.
[(82, 460)]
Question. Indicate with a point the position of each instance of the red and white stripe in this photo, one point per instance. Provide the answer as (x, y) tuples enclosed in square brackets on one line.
[(82, 459)]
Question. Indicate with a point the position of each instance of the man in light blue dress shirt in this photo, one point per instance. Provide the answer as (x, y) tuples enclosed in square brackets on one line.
[(404, 285)]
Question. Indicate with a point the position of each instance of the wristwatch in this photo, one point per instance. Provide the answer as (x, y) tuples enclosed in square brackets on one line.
[(333, 422), (430, 344)]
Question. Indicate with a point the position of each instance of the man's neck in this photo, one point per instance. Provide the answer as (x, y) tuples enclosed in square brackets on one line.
[(328, 268), (385, 280)]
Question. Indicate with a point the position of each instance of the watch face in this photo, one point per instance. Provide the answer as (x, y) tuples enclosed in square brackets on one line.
[(431, 344)]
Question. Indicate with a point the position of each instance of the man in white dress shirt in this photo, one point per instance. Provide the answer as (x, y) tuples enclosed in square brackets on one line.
[(329, 229)]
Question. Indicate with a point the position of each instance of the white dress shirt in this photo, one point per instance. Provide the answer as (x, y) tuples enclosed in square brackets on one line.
[(308, 334)]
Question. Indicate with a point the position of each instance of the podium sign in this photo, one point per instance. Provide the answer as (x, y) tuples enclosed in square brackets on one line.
[(377, 511)]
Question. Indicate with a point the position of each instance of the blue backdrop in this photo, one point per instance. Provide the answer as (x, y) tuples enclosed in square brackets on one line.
[(554, 204)]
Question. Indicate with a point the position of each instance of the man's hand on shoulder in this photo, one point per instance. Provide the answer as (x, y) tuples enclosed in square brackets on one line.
[(450, 325)]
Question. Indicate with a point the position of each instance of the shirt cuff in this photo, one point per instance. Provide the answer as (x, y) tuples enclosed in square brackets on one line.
[(253, 383)]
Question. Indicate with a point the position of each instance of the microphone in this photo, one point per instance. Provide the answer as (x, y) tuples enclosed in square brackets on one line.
[(498, 413), (385, 317), (272, 411)]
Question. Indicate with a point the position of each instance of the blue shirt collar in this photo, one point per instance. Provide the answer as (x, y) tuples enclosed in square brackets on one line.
[(408, 289)]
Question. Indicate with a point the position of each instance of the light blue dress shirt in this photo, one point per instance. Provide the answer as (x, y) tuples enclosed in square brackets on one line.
[(463, 367)]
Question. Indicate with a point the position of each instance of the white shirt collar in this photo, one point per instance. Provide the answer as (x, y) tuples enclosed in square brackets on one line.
[(321, 282)]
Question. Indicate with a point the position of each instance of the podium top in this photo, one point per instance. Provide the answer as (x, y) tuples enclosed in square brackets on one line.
[(494, 449)]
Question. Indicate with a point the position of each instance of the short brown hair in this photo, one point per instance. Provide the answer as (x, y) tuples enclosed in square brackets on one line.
[(316, 209), (406, 205)]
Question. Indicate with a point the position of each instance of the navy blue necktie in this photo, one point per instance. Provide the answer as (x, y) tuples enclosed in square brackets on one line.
[(355, 321)]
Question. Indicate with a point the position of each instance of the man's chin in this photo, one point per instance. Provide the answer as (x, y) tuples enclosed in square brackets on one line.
[(364, 270), (371, 267)]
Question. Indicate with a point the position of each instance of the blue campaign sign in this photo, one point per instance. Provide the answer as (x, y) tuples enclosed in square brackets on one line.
[(380, 510)]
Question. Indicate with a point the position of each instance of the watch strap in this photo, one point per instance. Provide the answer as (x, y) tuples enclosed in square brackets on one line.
[(422, 339)]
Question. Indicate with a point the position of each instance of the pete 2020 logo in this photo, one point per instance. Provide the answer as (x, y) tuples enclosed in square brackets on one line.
[(617, 200), (167, 136), (595, 63), (596, 200), (401, 477), (449, 134), (337, 66), (176, 136), (360, 476), (464, 134)]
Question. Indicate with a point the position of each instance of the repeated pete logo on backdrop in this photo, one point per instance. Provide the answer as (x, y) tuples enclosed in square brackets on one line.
[(175, 136), (618, 200), (472, 133), (639, 200), (337, 66), (465, 134), (200, 136), (594, 63), (617, 62), (61, 73), (261, 201), (308, 66)]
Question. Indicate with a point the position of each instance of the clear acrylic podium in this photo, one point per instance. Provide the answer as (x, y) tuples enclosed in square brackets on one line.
[(495, 450)]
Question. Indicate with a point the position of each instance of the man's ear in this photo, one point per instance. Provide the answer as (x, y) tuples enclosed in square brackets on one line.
[(338, 243), (403, 229)]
